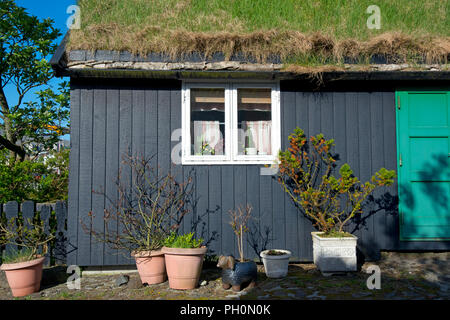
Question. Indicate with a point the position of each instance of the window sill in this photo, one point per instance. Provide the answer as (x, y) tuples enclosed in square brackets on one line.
[(191, 162)]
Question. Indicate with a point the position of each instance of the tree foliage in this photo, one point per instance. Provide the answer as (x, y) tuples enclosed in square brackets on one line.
[(42, 180), (306, 174), (25, 44)]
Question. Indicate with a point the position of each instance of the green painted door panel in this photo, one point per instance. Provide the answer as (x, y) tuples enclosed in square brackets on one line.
[(423, 134)]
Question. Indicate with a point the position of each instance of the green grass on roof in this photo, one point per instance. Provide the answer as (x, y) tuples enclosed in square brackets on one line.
[(262, 27)]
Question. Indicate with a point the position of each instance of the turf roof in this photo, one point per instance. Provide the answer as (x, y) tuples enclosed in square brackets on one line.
[(301, 32)]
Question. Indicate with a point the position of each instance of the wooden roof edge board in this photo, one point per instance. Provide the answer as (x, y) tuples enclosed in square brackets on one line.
[(59, 59), (261, 75)]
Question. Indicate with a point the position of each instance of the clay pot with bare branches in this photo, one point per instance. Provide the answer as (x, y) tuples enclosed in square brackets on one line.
[(147, 211), (23, 267), (236, 274)]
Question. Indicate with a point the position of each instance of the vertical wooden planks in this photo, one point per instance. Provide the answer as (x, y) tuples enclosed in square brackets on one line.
[(365, 168), (74, 170), (377, 152), (98, 172), (164, 130), (278, 215), (304, 225), (240, 196), (228, 237), (175, 140), (189, 174), (85, 176), (125, 149), (151, 125), (266, 208), (291, 215), (215, 209), (390, 161), (112, 167), (201, 221), (352, 137), (339, 126), (252, 192), (314, 113), (138, 138)]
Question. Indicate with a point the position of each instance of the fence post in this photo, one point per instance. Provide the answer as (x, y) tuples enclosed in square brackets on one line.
[(11, 209), (60, 250), (28, 209), (45, 218)]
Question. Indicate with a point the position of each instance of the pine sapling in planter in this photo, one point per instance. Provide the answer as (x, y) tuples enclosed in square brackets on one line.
[(235, 274), (184, 260), (23, 268), (306, 174), (146, 214)]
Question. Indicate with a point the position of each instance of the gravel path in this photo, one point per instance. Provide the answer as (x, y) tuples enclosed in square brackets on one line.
[(404, 276)]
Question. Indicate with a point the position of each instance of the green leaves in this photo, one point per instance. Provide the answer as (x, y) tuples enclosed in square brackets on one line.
[(306, 174), (25, 45), (182, 241), (42, 181)]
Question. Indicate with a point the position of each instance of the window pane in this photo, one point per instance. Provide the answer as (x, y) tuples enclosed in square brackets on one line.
[(254, 122), (207, 122)]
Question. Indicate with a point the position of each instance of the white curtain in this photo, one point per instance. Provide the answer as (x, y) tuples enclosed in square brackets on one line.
[(259, 135), (208, 139)]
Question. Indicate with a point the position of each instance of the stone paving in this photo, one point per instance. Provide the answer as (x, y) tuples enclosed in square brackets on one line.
[(404, 276)]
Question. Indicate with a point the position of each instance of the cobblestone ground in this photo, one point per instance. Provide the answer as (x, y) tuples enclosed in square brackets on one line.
[(404, 276)]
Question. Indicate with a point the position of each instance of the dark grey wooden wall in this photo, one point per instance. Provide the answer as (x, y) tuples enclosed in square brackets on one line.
[(109, 118)]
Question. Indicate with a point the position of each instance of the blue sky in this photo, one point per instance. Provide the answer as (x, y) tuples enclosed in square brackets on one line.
[(54, 9)]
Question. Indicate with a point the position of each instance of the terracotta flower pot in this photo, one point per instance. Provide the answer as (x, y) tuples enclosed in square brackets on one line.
[(184, 266), (24, 278), (151, 266)]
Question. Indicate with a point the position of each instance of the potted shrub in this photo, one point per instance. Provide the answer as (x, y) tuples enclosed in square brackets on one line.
[(147, 214), (276, 262), (306, 173), (23, 268), (184, 260), (236, 274)]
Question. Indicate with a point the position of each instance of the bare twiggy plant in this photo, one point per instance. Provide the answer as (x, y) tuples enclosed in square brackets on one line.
[(150, 205), (239, 220), (28, 234)]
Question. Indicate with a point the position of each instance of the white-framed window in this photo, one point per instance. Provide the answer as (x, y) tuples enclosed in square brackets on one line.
[(230, 123)]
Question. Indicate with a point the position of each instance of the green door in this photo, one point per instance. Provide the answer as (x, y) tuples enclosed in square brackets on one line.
[(423, 133)]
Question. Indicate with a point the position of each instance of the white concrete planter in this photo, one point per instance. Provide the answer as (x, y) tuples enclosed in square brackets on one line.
[(276, 266), (334, 254)]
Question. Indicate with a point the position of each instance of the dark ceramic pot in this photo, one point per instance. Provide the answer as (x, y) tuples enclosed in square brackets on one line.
[(243, 273)]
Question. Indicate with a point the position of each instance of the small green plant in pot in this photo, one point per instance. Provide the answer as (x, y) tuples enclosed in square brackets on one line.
[(23, 268), (184, 260), (306, 174), (147, 213)]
